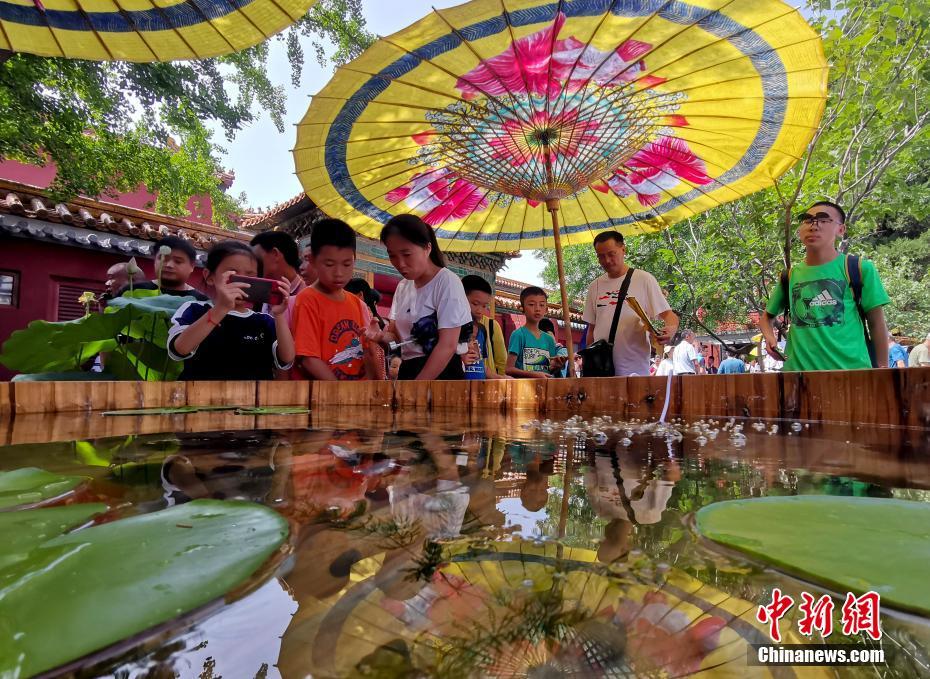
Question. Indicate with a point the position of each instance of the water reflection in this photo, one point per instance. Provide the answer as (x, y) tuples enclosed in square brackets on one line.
[(429, 551)]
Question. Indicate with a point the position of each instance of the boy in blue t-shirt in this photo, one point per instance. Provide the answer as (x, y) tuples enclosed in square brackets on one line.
[(532, 352)]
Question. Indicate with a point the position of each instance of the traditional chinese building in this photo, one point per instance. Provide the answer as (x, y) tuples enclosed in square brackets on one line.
[(51, 252)]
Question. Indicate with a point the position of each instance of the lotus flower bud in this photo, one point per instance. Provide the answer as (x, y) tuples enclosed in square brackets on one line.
[(132, 268)]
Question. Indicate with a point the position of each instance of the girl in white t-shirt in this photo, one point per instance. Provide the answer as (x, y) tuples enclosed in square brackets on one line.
[(430, 315)]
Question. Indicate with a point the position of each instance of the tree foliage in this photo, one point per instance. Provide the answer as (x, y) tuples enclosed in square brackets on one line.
[(110, 127), (871, 154)]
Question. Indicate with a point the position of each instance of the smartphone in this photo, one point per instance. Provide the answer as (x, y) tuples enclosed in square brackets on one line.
[(260, 290)]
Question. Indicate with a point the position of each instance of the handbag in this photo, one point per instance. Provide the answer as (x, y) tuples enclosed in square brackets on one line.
[(597, 360)]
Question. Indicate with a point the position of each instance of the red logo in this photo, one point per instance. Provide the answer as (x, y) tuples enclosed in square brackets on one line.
[(860, 614)]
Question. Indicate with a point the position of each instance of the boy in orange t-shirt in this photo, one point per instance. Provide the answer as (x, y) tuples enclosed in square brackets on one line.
[(329, 323)]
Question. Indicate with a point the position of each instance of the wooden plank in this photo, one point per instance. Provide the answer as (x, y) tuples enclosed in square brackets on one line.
[(62, 397), (44, 428), (6, 429), (339, 417), (363, 394), (487, 395), (452, 394), (645, 397), (284, 393), (221, 393), (411, 395), (915, 396), (528, 394), (131, 395), (222, 420), (886, 397)]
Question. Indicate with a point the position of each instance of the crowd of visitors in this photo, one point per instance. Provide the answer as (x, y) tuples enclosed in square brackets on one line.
[(318, 322)]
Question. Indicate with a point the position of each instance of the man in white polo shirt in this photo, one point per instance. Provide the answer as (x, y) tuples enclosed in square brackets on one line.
[(686, 356), (631, 343)]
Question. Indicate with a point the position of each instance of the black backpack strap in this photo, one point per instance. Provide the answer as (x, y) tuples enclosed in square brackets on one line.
[(785, 283), (854, 274), (621, 297)]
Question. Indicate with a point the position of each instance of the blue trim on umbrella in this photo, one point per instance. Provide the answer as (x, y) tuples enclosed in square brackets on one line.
[(188, 13), (768, 64)]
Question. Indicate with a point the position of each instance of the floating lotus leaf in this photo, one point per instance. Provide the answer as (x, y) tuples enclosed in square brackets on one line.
[(847, 544), (33, 486), (25, 531), (65, 596), (185, 410)]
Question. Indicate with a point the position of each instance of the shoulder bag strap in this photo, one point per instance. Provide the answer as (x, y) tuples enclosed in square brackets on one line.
[(854, 275), (784, 281), (621, 297)]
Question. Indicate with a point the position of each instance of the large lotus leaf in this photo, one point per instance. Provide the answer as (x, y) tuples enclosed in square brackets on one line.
[(22, 532), (31, 485), (81, 592), (150, 316), (43, 346), (846, 543), (142, 360), (68, 345)]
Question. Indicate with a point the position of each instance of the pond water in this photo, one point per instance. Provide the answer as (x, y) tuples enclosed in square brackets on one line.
[(433, 547)]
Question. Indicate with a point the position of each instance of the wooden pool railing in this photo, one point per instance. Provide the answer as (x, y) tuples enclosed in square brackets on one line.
[(895, 397)]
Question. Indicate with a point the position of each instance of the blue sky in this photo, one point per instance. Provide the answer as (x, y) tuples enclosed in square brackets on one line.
[(261, 156)]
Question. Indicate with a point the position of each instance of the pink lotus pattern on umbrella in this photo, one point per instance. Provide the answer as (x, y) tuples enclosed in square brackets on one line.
[(535, 65), (440, 195), (655, 169), (662, 637), (539, 84)]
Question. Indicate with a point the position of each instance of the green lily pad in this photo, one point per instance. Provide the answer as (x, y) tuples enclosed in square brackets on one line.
[(33, 486), (173, 410), (24, 531), (73, 594), (273, 410), (844, 543), (186, 410)]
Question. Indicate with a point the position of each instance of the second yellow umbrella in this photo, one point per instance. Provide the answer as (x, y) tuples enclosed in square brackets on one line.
[(142, 30), (515, 124)]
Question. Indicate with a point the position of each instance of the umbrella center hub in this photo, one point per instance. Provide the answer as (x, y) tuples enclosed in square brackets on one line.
[(520, 145), (545, 136)]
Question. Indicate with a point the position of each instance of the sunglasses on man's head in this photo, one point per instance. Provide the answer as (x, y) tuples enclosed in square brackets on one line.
[(819, 217)]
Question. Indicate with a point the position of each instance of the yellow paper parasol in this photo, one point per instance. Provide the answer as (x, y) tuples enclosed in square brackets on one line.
[(142, 30), (515, 609), (607, 114)]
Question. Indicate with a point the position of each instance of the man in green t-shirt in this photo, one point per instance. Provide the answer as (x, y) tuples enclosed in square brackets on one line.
[(827, 330)]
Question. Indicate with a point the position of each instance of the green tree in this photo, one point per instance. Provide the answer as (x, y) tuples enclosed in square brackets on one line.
[(113, 126), (870, 154)]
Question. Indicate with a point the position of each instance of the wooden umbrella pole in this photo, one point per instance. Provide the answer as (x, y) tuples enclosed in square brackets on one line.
[(553, 206)]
